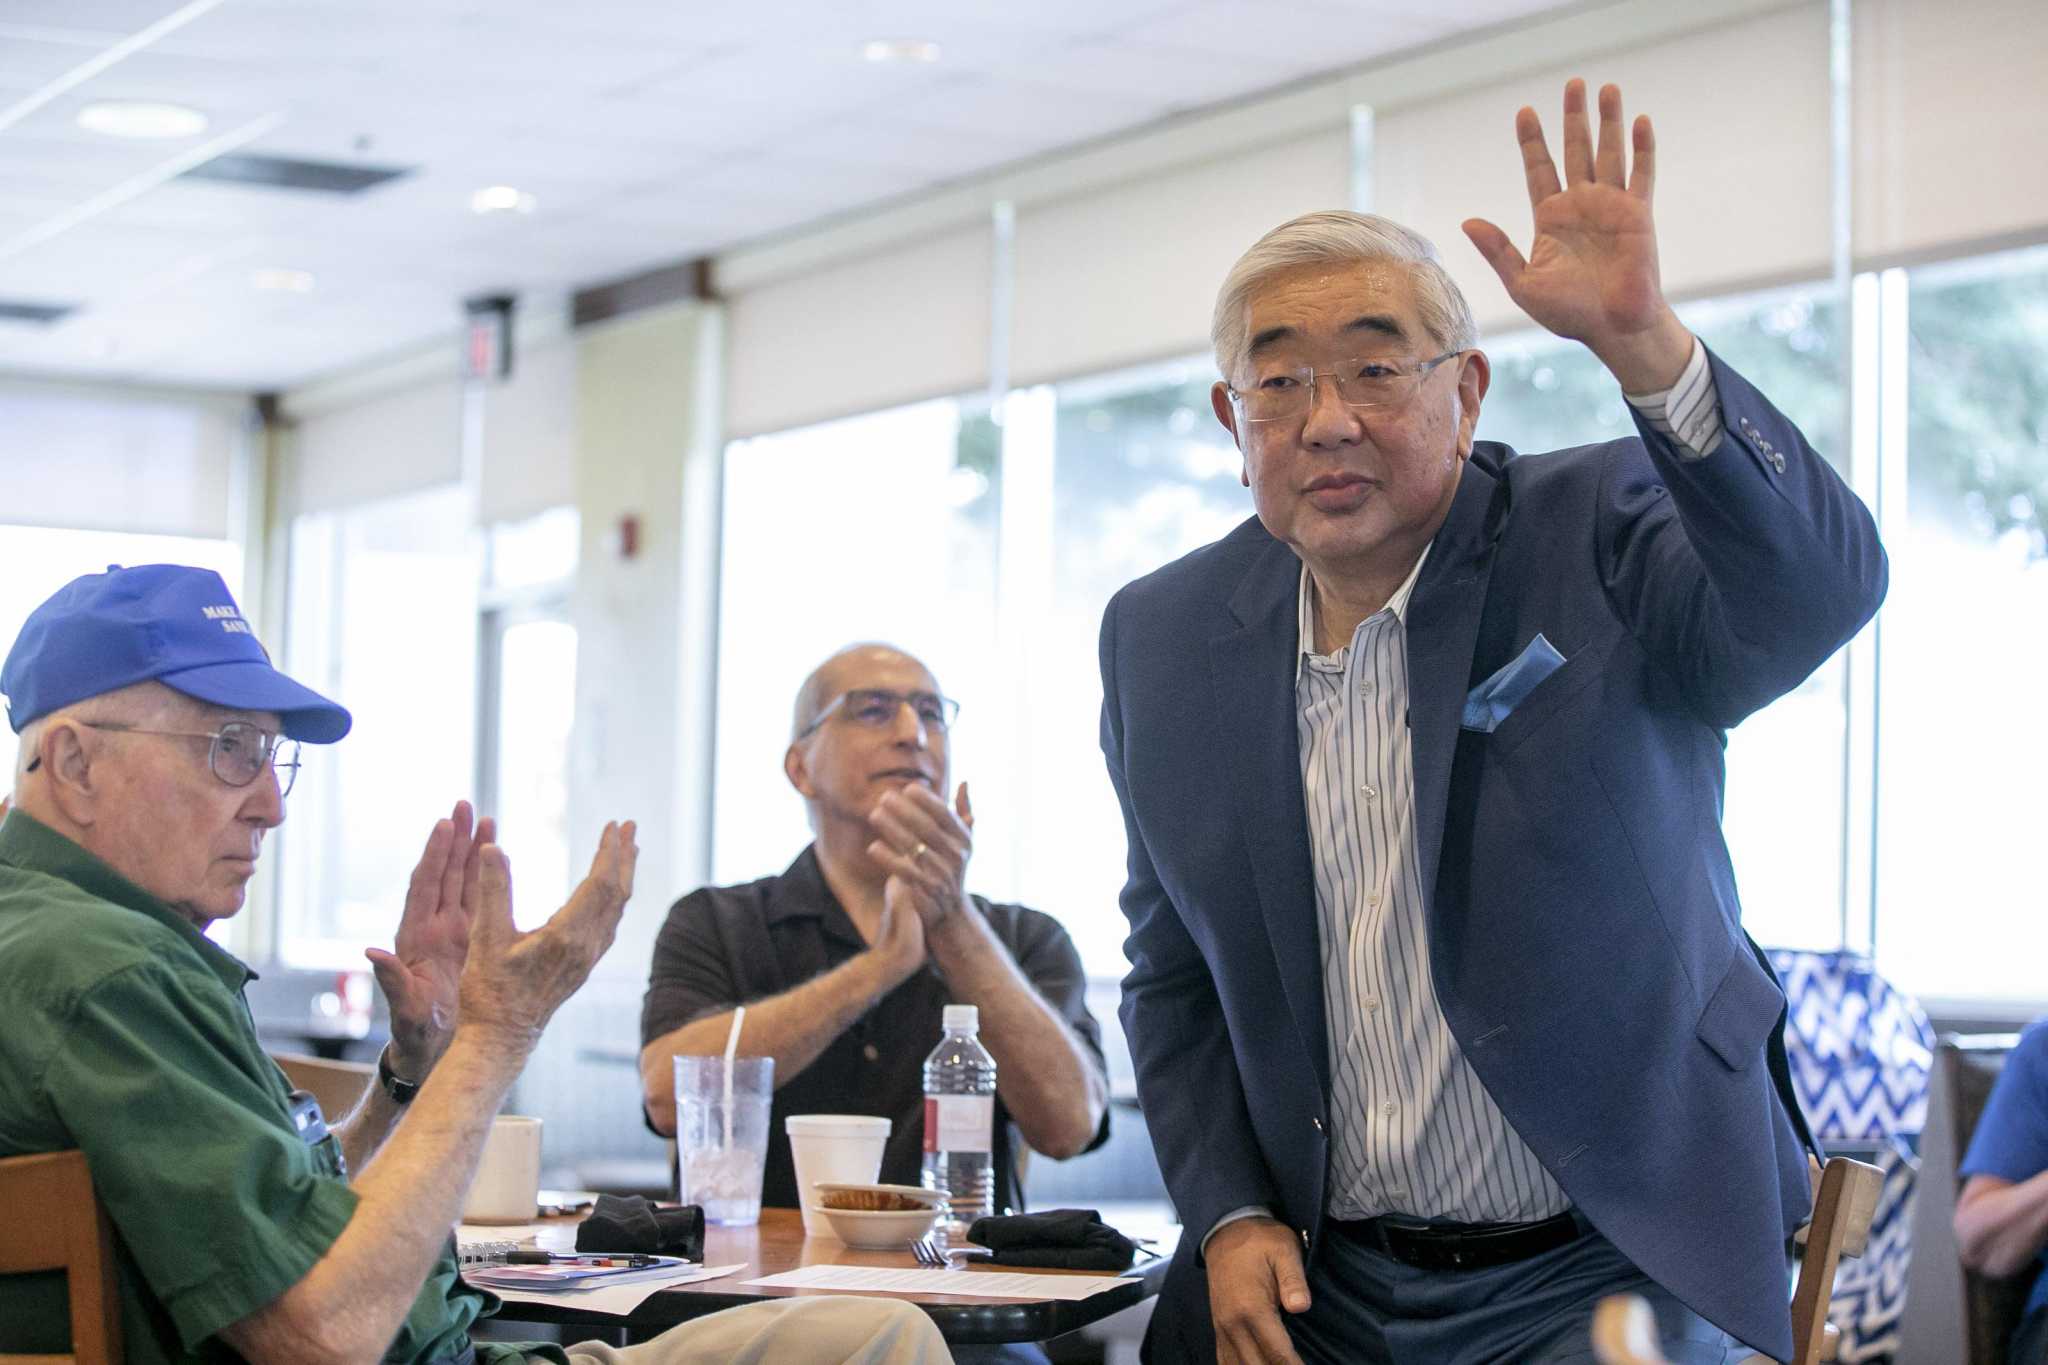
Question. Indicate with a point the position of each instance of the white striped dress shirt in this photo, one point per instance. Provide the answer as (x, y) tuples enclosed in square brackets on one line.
[(1412, 1131)]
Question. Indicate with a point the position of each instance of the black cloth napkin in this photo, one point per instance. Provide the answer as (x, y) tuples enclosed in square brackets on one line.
[(1058, 1239), (633, 1223)]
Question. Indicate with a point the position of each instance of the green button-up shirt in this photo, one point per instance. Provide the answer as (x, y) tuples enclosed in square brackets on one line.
[(126, 1035)]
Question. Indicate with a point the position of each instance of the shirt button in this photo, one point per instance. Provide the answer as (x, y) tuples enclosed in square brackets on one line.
[(1372, 1004), (872, 1053), (1372, 902), (1318, 1123), (1389, 1108), (1365, 688), (1370, 792)]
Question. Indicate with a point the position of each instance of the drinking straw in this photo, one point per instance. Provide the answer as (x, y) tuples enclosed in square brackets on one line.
[(732, 1046)]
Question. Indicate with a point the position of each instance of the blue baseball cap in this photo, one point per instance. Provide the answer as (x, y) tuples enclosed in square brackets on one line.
[(154, 623)]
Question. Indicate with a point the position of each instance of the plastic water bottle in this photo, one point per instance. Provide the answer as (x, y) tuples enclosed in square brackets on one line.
[(959, 1119)]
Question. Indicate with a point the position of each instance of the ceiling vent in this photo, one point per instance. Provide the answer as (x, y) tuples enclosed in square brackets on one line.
[(288, 173), (18, 310)]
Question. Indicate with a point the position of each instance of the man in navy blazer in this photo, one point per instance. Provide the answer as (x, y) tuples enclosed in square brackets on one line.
[(1444, 1021)]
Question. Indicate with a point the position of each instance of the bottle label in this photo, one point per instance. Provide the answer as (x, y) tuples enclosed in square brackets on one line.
[(959, 1123)]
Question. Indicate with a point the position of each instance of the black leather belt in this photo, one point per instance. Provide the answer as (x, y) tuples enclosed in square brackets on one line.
[(1462, 1246)]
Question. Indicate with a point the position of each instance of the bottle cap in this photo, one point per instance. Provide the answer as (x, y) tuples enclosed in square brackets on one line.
[(962, 1019)]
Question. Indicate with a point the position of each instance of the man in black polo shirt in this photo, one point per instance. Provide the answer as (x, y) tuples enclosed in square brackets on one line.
[(846, 960)]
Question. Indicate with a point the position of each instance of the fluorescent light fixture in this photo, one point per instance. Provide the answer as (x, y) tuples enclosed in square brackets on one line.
[(901, 50), (502, 199), (282, 279), (141, 119)]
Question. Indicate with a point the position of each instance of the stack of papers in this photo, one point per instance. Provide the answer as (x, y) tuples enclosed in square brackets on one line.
[(602, 1296), (571, 1274)]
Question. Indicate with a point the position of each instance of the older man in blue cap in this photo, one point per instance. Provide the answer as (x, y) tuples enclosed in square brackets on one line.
[(157, 744)]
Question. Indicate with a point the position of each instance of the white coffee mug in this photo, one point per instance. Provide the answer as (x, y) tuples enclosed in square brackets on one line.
[(507, 1184), (835, 1148)]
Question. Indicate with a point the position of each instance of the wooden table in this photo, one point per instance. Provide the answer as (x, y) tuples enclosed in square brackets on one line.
[(778, 1244)]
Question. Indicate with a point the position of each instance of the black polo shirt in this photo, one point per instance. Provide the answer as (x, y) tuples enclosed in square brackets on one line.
[(724, 946)]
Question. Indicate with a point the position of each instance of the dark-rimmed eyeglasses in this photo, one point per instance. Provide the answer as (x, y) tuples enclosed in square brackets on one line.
[(876, 707), (238, 754), (1279, 392)]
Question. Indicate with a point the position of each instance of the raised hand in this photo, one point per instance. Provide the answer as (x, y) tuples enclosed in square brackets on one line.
[(419, 980), (1591, 273), (512, 983)]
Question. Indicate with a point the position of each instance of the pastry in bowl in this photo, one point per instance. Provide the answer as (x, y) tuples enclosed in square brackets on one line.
[(879, 1217)]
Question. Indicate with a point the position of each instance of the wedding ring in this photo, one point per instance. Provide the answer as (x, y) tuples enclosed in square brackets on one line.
[(917, 854)]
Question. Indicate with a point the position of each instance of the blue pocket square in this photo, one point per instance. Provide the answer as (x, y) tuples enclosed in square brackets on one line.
[(1490, 703)]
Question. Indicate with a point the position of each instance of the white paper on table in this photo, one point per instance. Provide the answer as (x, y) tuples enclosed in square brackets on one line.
[(617, 1298), (986, 1284)]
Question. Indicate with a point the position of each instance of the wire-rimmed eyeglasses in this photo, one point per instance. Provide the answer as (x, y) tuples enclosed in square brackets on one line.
[(238, 754), (876, 707), (1279, 392)]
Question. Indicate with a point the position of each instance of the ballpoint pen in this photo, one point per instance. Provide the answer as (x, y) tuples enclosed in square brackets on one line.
[(574, 1258)]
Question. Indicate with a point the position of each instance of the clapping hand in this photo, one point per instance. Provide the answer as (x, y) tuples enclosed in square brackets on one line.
[(925, 847), (1591, 273), (419, 980), (512, 982)]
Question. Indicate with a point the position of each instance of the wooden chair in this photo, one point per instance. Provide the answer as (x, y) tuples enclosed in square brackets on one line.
[(1625, 1330), (1956, 1314), (54, 1222), (337, 1085)]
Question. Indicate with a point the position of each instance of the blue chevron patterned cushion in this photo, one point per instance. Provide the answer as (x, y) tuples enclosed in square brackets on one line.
[(1861, 1051)]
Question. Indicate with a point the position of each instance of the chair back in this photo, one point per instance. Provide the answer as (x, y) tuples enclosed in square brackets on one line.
[(55, 1222), (1625, 1331), (1992, 1307), (337, 1085), (1842, 1209)]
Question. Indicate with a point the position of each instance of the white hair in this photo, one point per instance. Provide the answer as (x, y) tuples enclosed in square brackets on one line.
[(142, 703), (1338, 236)]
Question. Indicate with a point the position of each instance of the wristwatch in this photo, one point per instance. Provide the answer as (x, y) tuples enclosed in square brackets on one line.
[(400, 1091)]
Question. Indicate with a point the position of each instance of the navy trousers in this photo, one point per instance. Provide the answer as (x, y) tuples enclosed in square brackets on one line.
[(1367, 1307)]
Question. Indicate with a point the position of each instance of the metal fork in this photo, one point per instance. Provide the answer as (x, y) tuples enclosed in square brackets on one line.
[(928, 1254)]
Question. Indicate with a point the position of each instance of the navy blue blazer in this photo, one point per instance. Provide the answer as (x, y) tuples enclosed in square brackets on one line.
[(1584, 930)]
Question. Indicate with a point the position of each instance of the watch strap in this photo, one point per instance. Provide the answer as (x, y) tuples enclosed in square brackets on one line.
[(400, 1090)]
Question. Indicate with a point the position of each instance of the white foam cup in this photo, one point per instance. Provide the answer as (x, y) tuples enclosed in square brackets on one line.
[(507, 1184), (833, 1148)]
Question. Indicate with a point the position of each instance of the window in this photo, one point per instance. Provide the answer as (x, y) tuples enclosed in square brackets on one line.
[(880, 527), (1142, 474), (383, 618), (1783, 815), (1962, 737), (528, 703)]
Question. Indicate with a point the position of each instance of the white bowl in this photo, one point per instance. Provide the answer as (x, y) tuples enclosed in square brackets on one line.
[(880, 1229), (875, 1231)]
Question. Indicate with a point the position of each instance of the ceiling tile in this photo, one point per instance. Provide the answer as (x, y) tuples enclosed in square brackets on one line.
[(651, 131)]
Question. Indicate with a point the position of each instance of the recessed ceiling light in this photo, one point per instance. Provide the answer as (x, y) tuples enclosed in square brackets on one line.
[(901, 50), (282, 279), (141, 119), (502, 199)]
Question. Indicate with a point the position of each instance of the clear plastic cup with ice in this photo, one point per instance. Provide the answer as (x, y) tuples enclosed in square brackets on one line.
[(722, 1134)]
